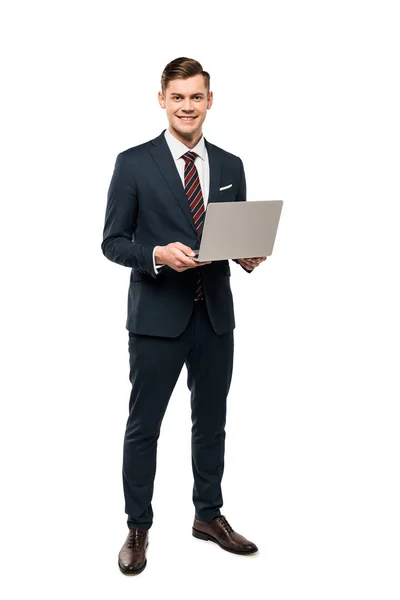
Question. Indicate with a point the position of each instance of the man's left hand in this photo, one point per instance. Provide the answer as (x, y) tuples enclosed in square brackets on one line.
[(251, 263)]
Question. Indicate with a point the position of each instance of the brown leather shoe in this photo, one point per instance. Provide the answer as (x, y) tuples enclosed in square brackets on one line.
[(132, 556), (220, 532)]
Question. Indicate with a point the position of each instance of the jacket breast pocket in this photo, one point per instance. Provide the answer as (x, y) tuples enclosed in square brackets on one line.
[(227, 195)]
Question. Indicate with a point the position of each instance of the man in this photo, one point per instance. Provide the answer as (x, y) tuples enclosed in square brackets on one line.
[(179, 311)]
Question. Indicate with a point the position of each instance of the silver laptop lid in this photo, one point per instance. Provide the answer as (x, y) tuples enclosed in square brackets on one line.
[(239, 229)]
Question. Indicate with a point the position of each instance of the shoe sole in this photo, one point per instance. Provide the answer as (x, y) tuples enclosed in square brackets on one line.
[(130, 571), (205, 536)]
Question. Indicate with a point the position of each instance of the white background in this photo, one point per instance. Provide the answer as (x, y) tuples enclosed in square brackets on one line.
[(306, 93)]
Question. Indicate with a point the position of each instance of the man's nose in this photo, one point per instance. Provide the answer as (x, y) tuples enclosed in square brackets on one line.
[(187, 105)]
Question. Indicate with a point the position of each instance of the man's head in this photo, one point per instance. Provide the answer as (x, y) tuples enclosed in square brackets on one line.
[(185, 92)]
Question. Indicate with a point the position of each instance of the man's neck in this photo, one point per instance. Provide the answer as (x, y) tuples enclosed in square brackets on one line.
[(189, 143)]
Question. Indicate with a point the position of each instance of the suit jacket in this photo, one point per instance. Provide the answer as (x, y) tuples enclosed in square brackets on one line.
[(146, 207)]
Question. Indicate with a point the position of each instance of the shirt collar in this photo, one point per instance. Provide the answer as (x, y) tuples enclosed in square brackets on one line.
[(177, 148)]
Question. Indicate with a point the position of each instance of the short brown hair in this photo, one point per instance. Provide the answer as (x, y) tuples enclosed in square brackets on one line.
[(182, 68)]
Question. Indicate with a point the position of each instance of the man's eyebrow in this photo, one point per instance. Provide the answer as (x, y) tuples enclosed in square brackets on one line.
[(178, 94)]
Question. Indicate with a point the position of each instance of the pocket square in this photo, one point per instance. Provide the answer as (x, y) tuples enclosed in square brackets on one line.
[(225, 187)]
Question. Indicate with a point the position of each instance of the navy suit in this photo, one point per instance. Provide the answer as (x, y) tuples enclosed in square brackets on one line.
[(147, 206)]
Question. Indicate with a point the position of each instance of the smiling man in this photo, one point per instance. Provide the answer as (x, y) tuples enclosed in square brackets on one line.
[(186, 102), (179, 311)]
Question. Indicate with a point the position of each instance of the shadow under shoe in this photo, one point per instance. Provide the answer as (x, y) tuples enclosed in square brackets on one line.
[(132, 556)]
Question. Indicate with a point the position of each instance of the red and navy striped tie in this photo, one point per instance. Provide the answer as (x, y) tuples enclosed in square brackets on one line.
[(195, 199)]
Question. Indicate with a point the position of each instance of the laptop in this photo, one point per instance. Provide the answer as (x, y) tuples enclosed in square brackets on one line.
[(239, 230)]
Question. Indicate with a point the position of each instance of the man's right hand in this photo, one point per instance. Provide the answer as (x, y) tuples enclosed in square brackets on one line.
[(176, 256)]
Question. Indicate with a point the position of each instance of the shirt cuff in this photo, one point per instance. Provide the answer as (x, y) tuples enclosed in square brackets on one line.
[(156, 267)]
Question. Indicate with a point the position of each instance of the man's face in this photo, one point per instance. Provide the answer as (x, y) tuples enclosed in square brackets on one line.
[(186, 98)]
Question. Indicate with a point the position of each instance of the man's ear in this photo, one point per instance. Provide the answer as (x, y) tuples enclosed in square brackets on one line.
[(161, 99), (210, 100)]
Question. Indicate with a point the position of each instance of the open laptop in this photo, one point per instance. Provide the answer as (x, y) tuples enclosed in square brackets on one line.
[(239, 230)]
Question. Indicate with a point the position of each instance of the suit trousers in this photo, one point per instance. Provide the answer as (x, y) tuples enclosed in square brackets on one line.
[(155, 365)]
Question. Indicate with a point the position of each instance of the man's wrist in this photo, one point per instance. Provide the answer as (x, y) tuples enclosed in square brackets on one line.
[(158, 255)]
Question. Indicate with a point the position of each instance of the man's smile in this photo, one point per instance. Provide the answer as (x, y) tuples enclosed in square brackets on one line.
[(187, 119)]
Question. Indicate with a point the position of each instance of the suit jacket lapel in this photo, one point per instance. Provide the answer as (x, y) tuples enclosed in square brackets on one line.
[(215, 178), (215, 171), (165, 162)]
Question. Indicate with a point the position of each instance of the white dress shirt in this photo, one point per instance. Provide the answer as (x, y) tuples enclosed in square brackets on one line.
[(202, 165)]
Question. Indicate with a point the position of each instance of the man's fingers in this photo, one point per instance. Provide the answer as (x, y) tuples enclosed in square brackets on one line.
[(183, 258), (246, 263), (252, 262), (195, 264), (185, 262), (255, 261), (182, 248)]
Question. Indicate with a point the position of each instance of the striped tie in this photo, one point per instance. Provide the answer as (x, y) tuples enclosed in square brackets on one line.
[(195, 199)]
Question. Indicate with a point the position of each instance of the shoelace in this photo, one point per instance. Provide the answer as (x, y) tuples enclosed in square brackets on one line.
[(135, 538), (224, 524)]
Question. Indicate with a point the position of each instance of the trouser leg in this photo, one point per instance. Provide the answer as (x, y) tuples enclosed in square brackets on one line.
[(210, 364), (155, 365)]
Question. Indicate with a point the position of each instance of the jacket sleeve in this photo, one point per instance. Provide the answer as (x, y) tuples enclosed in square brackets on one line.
[(120, 220), (241, 196)]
